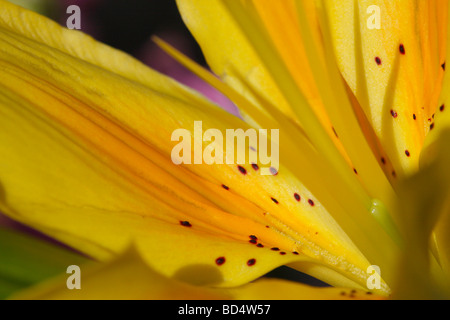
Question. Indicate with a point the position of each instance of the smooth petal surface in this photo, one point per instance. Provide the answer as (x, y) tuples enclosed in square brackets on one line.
[(86, 159), (394, 70)]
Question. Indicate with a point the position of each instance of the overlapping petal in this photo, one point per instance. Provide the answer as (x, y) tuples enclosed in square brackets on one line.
[(86, 143), (128, 277)]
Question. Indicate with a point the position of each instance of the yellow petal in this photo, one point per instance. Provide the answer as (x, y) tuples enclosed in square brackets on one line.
[(83, 185), (128, 277), (395, 71), (346, 189), (231, 57), (87, 160)]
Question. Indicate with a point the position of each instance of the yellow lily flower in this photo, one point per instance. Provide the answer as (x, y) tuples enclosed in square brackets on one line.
[(87, 151)]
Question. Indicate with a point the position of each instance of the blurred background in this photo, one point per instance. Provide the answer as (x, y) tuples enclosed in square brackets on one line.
[(128, 26)]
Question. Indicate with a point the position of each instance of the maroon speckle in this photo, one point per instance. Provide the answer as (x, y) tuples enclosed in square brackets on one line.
[(220, 261), (355, 171), (253, 237), (311, 203), (242, 170), (274, 200), (255, 166), (394, 114), (251, 262), (282, 253), (295, 252), (408, 154), (414, 116), (402, 49), (378, 60), (432, 126), (442, 108), (394, 174), (273, 171), (275, 249), (443, 66), (335, 133), (260, 245), (225, 187), (252, 241), (383, 160), (185, 223), (297, 197)]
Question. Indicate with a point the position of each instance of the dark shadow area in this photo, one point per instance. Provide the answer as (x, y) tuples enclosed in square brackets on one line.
[(199, 274), (290, 274), (128, 25)]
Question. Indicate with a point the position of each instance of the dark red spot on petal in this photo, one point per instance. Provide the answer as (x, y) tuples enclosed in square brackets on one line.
[(443, 66), (220, 261), (251, 262), (432, 126), (383, 160), (295, 252), (297, 197), (252, 241), (414, 116), (378, 60), (402, 49), (335, 133), (225, 187), (255, 166), (253, 237), (242, 170), (185, 223), (282, 253), (274, 200), (408, 154), (394, 174), (442, 108), (394, 114), (260, 245), (275, 249), (355, 171), (311, 203)]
